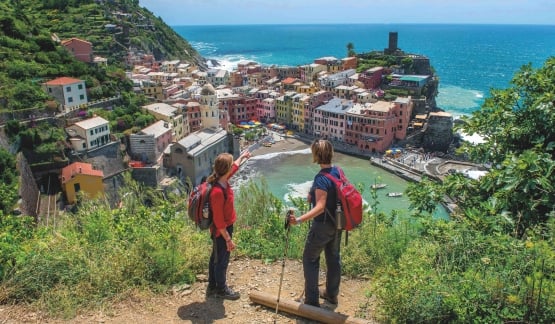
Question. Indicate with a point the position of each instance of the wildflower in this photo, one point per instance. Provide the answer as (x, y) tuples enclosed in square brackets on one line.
[(529, 244), (512, 299)]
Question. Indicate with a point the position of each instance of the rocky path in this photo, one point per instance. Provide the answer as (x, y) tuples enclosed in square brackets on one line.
[(188, 304)]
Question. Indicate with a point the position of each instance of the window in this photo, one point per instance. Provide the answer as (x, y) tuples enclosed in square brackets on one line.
[(92, 132), (80, 87), (70, 99), (68, 89), (81, 97)]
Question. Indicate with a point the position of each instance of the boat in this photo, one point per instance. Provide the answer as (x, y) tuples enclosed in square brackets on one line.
[(267, 144), (378, 186), (394, 194)]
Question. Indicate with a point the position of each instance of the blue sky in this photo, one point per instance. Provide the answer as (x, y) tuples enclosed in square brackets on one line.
[(241, 12)]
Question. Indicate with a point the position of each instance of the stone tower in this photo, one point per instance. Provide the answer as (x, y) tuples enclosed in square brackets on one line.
[(209, 111), (393, 45)]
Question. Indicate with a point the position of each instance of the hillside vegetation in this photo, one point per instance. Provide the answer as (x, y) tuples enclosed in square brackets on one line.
[(30, 32)]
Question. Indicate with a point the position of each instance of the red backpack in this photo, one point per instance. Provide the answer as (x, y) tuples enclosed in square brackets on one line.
[(349, 200), (199, 205)]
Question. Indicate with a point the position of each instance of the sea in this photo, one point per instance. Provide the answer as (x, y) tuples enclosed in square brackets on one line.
[(469, 60)]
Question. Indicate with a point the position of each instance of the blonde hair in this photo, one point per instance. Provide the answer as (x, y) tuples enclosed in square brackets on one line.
[(221, 167), (322, 152)]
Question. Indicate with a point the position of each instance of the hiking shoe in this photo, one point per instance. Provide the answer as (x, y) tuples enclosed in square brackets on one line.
[(324, 295), (303, 301), (211, 290), (312, 304), (227, 293)]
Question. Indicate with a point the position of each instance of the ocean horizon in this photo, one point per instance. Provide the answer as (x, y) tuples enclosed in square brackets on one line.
[(469, 59)]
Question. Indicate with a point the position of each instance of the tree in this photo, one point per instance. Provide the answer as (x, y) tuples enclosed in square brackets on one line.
[(518, 125), (351, 50), (516, 119)]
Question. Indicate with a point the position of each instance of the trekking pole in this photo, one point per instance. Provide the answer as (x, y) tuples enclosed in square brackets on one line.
[(287, 230)]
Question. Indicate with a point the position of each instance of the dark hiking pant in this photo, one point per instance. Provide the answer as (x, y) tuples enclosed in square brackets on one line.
[(323, 236), (219, 260)]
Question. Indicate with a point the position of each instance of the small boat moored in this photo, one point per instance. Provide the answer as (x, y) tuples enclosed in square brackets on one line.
[(394, 194), (378, 186)]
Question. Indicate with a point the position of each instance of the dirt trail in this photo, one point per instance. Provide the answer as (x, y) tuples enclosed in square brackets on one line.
[(189, 305)]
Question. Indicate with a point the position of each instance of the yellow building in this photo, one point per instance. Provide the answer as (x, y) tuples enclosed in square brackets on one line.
[(300, 103), (80, 177)]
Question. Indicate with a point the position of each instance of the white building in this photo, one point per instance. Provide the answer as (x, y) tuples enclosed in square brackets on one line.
[(70, 93), (89, 134)]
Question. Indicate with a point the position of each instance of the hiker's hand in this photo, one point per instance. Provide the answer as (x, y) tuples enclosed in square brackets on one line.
[(292, 219), (230, 245), (246, 154)]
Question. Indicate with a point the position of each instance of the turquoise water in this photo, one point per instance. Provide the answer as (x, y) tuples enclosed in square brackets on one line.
[(469, 59), (291, 173)]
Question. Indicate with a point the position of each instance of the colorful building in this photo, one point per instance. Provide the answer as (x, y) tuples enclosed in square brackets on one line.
[(80, 177), (373, 127), (149, 144)]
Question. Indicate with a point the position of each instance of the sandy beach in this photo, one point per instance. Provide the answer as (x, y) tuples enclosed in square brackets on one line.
[(281, 144)]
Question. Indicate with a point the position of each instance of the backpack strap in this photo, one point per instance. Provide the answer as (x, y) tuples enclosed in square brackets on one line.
[(335, 181)]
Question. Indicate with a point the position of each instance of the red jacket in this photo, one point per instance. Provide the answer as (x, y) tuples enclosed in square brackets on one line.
[(223, 208)]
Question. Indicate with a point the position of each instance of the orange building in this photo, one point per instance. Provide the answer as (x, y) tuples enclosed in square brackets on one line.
[(80, 177)]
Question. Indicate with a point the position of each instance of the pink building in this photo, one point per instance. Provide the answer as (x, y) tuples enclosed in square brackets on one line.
[(149, 144), (81, 49), (238, 107), (373, 127), (266, 109)]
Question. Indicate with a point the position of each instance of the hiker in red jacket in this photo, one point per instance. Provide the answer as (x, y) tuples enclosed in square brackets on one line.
[(224, 216), (323, 234)]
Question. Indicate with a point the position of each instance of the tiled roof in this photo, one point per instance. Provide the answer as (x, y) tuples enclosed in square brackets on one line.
[(63, 81), (79, 168)]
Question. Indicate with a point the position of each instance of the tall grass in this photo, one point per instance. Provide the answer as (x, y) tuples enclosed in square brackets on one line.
[(419, 269)]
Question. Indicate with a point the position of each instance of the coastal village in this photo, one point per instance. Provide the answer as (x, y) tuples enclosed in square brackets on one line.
[(109, 117), (202, 112)]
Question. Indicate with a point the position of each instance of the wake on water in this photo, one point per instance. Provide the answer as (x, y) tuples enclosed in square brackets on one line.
[(249, 173)]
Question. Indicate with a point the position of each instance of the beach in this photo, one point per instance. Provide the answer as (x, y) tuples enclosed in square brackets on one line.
[(281, 144)]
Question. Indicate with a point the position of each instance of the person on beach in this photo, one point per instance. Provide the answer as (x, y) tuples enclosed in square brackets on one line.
[(323, 234), (224, 216)]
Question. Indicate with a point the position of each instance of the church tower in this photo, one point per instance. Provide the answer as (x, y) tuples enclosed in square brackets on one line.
[(209, 110)]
